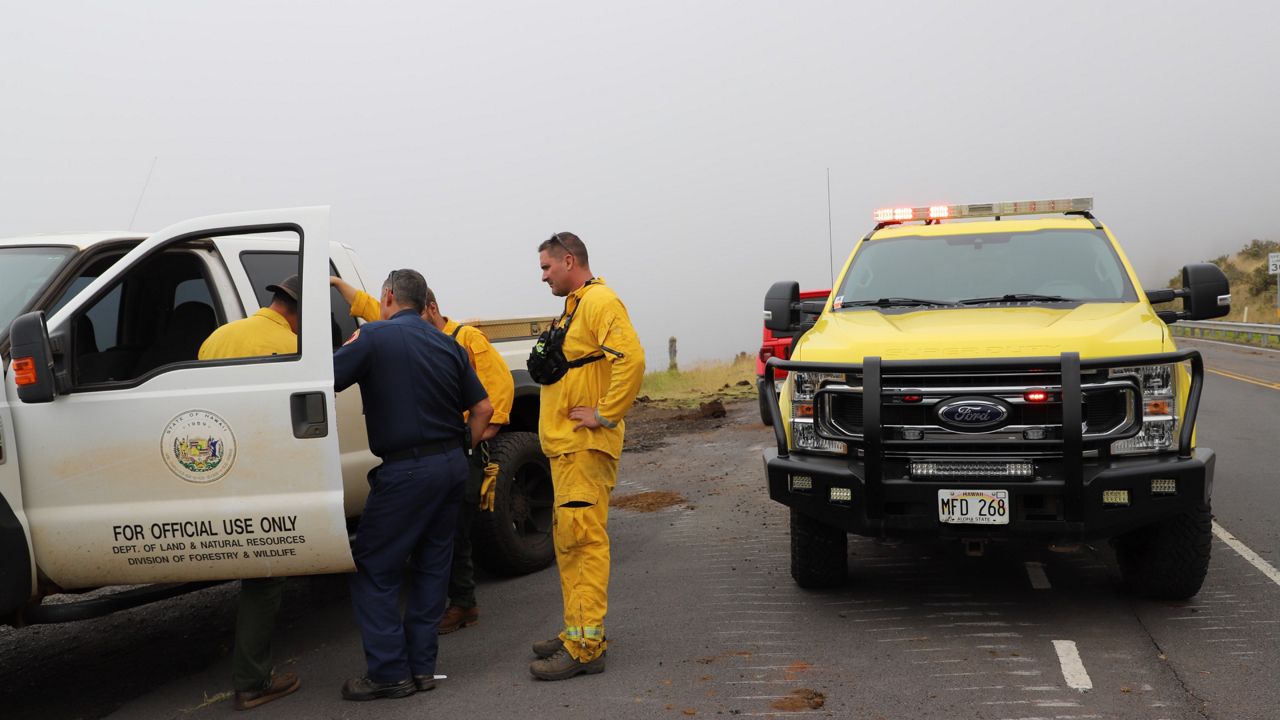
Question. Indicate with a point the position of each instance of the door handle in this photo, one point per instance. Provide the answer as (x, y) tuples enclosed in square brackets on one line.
[(309, 415)]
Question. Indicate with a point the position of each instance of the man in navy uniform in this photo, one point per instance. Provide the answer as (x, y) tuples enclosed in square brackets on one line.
[(416, 382)]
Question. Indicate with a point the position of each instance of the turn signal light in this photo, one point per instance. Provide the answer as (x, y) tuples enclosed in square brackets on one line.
[(24, 371)]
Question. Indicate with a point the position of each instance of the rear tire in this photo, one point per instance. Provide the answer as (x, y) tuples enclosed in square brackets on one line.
[(819, 553), (515, 539), (1168, 560)]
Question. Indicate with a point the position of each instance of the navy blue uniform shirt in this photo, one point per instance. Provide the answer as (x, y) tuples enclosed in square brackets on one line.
[(415, 382)]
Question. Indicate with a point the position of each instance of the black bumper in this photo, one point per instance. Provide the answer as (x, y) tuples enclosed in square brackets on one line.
[(1042, 508)]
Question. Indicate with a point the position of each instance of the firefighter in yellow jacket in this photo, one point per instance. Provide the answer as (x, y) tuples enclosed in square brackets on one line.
[(590, 365)]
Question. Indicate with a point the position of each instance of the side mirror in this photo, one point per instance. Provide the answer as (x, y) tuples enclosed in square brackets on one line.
[(32, 358), (1208, 292), (780, 306), (1205, 294)]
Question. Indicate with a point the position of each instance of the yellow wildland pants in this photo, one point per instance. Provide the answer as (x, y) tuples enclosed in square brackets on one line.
[(583, 482)]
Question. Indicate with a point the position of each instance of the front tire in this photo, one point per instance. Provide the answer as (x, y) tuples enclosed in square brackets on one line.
[(819, 553), (1169, 559), (515, 539), (768, 405)]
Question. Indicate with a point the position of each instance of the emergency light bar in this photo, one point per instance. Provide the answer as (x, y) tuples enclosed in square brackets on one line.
[(1019, 207)]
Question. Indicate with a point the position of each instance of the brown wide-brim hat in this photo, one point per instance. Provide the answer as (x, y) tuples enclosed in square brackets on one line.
[(291, 286)]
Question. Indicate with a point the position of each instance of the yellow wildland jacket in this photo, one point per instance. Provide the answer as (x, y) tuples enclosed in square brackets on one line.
[(493, 371), (600, 326), (265, 332)]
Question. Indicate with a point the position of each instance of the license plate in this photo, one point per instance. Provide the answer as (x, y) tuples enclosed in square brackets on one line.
[(974, 507)]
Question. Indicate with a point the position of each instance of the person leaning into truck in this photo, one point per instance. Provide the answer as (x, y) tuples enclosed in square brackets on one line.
[(416, 383), (272, 330), (496, 378), (580, 425)]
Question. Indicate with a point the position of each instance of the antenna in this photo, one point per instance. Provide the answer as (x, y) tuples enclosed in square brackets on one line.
[(830, 249), (143, 194)]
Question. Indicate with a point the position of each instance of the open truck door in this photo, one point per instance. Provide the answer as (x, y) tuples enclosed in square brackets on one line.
[(141, 463)]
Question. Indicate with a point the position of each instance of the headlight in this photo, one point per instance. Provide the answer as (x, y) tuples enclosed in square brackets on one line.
[(804, 436), (1159, 410), (805, 384)]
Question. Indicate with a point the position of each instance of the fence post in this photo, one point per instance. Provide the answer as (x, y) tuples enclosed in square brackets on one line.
[(671, 351)]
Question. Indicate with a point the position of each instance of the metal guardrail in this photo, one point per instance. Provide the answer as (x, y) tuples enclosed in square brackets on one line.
[(1255, 334)]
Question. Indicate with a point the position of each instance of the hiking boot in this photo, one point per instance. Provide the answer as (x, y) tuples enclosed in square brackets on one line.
[(424, 682), (366, 689), (562, 666), (456, 618), (280, 685), (547, 648)]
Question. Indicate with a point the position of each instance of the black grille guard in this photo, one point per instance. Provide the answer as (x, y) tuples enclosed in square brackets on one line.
[(1069, 365)]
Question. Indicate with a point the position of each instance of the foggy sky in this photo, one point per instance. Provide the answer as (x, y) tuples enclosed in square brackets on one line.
[(687, 143)]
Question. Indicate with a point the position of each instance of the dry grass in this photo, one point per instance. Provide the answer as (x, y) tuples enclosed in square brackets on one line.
[(702, 382)]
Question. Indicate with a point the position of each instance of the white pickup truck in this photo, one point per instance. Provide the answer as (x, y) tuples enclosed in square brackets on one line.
[(126, 461)]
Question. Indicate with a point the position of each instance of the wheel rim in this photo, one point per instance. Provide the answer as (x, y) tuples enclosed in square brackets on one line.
[(532, 500)]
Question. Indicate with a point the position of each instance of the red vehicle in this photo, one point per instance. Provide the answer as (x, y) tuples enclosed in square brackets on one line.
[(778, 344)]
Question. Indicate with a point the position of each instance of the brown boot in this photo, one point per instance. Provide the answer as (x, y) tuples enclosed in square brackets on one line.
[(563, 666), (547, 648), (280, 685), (456, 618)]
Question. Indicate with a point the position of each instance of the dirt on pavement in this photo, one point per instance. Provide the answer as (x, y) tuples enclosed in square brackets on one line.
[(646, 501)]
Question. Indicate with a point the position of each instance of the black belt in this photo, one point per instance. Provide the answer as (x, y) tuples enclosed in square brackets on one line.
[(423, 450)]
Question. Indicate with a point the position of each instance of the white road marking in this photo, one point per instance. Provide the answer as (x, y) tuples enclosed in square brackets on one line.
[(1035, 571), (1254, 559), (1072, 667), (977, 687)]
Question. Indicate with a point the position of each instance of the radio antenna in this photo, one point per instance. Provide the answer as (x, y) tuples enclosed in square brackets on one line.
[(143, 194), (830, 248)]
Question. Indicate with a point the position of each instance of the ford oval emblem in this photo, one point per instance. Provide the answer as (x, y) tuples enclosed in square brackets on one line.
[(972, 413)]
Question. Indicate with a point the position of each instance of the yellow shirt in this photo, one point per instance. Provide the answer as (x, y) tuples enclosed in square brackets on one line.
[(263, 333), (609, 385), (493, 371), (366, 307)]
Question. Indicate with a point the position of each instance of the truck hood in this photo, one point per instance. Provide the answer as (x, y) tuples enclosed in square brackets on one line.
[(1093, 329)]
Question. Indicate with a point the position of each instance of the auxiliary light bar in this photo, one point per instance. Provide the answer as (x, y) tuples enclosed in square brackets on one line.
[(1018, 207)]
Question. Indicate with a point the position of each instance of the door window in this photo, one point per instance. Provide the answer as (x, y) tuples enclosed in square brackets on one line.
[(155, 315), (266, 268)]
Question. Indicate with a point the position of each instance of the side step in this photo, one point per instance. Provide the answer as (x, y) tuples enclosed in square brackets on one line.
[(107, 604)]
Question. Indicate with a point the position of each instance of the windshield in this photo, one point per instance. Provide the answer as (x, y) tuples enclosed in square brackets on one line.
[(1059, 265), (24, 271)]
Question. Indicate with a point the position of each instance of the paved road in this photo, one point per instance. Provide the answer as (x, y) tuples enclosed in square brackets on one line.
[(705, 619)]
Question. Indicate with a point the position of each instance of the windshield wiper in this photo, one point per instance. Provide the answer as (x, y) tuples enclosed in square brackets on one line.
[(1015, 297), (892, 302)]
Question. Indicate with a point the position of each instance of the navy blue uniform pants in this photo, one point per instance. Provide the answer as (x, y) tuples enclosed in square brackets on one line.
[(410, 516)]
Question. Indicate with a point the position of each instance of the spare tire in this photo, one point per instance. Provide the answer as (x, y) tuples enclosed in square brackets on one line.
[(515, 539)]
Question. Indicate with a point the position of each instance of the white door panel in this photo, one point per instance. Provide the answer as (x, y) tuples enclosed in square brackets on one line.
[(11, 491), (195, 473)]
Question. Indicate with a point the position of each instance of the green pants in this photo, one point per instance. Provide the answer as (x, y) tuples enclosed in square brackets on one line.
[(462, 575), (255, 622)]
